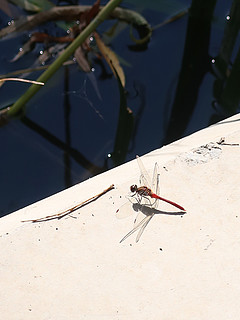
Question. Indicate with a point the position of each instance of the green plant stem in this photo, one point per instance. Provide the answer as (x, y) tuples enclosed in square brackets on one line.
[(102, 15)]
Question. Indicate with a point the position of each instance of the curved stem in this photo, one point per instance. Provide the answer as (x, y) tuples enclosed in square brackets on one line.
[(101, 16)]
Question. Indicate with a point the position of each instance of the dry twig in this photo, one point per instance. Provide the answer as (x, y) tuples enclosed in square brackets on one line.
[(70, 210)]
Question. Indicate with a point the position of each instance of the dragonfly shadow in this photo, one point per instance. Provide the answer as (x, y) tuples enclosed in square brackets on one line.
[(149, 211)]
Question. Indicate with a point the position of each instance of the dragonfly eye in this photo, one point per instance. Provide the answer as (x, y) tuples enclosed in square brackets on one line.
[(133, 188)]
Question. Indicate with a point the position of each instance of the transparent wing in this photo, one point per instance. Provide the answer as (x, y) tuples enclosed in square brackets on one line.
[(141, 225), (142, 219), (156, 184), (124, 211), (127, 208), (155, 179), (144, 177)]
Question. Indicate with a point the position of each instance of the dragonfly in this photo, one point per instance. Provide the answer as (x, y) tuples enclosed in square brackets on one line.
[(144, 199)]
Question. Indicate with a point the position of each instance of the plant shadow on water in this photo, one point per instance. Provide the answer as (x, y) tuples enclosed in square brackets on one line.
[(80, 123)]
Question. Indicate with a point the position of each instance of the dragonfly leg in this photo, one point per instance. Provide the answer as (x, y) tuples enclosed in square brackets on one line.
[(145, 197)]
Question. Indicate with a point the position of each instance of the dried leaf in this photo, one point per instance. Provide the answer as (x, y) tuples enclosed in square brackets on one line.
[(81, 60), (110, 58), (42, 37), (28, 46), (88, 15)]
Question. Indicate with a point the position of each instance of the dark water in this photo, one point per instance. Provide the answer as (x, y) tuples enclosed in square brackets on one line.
[(173, 87)]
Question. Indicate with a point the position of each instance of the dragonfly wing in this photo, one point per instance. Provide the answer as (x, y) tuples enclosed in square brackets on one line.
[(156, 184), (124, 211), (144, 177), (128, 208), (143, 227), (135, 229), (155, 178), (139, 218)]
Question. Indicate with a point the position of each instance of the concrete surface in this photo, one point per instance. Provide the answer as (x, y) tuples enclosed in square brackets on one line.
[(183, 267)]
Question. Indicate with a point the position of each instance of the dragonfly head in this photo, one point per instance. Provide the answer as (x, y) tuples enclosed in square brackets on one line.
[(133, 188)]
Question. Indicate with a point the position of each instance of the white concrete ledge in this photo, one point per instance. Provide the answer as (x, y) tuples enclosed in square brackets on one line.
[(183, 267)]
